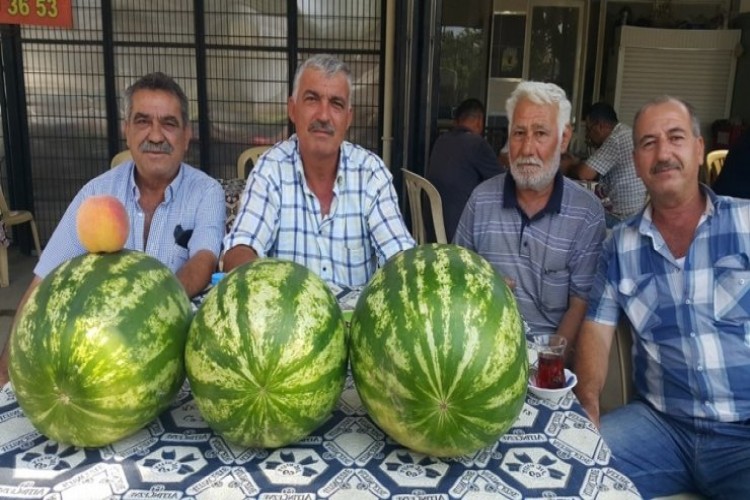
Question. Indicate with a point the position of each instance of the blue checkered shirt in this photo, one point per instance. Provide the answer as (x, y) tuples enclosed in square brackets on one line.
[(279, 216), (614, 162), (193, 200), (691, 355)]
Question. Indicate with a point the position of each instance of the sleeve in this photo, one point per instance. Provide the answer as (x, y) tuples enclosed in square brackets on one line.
[(388, 233), (606, 157), (464, 235), (257, 221), (210, 216), (602, 302), (585, 252), (63, 245)]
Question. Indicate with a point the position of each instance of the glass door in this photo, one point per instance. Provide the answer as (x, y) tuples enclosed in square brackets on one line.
[(554, 50)]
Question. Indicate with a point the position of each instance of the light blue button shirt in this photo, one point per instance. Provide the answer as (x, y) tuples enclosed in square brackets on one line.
[(193, 201)]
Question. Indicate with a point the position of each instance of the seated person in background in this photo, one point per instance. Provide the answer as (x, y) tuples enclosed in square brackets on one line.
[(159, 192), (539, 229), (611, 163), (676, 270), (460, 160), (316, 199), (734, 178)]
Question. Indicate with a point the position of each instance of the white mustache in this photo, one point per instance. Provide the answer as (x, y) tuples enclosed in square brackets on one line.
[(155, 147), (528, 160)]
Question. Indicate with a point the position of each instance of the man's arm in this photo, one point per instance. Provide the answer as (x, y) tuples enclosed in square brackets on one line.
[(236, 256), (591, 365), (574, 167), (571, 323), (196, 272), (4, 358)]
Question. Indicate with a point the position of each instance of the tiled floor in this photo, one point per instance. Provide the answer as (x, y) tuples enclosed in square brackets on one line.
[(21, 271)]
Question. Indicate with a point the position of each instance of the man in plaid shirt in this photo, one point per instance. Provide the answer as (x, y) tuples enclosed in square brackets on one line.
[(316, 199), (611, 164), (680, 271)]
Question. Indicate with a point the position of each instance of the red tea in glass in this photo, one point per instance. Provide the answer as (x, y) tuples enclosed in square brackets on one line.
[(550, 372)]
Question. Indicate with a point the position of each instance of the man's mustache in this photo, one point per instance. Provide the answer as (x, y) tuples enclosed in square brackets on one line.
[(321, 126), (156, 147), (663, 166)]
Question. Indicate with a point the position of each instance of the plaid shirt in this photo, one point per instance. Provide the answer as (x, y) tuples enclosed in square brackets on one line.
[(690, 317), (192, 201), (279, 216), (614, 162)]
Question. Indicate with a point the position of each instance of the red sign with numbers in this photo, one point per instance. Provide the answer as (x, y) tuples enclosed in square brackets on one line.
[(58, 13)]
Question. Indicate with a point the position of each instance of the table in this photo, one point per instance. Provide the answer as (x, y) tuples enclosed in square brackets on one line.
[(552, 450)]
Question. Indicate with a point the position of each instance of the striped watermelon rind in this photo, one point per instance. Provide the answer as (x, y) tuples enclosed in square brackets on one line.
[(266, 354), (438, 352), (97, 350)]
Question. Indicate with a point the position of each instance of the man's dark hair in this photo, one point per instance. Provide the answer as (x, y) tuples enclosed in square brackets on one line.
[(602, 112), (469, 108), (157, 81)]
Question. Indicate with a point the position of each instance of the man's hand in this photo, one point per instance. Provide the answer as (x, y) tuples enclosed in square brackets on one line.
[(196, 273), (236, 256)]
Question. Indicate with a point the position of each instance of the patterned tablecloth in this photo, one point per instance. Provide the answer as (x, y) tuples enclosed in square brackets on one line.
[(552, 450)]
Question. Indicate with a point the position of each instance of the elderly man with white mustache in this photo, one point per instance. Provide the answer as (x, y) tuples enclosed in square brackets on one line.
[(541, 231), (316, 199)]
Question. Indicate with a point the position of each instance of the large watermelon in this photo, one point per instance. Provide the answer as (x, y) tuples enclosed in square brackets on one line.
[(438, 352), (266, 354), (97, 351)]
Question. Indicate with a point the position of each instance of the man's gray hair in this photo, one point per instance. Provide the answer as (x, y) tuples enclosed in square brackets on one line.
[(541, 93), (329, 65), (695, 123), (157, 81)]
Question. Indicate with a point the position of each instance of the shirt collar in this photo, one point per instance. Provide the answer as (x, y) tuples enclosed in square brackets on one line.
[(554, 204), (169, 192)]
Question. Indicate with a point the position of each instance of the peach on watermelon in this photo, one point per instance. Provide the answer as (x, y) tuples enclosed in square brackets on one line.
[(102, 224)]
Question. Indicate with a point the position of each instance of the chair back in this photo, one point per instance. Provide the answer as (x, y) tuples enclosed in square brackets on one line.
[(250, 154), (120, 157), (714, 163), (4, 208), (415, 186)]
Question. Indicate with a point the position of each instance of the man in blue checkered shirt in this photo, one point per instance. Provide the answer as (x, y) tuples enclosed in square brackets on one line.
[(316, 199), (680, 271)]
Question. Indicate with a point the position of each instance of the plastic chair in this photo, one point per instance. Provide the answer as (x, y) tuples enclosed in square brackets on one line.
[(714, 163), (415, 185), (11, 218), (120, 157), (250, 154)]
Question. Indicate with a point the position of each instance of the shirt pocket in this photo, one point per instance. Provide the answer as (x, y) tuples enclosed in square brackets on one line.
[(555, 288), (180, 255), (640, 301), (731, 291)]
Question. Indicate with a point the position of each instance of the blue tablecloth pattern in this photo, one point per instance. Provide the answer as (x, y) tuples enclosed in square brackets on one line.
[(552, 450)]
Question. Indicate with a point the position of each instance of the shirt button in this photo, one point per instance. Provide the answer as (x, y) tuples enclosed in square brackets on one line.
[(742, 282), (700, 368), (707, 403), (687, 301), (692, 334), (325, 269)]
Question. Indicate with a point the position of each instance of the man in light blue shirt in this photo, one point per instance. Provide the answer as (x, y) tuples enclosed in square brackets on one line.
[(680, 272), (316, 199), (176, 211)]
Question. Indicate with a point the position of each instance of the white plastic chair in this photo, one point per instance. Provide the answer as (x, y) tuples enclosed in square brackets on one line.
[(415, 184), (11, 218)]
